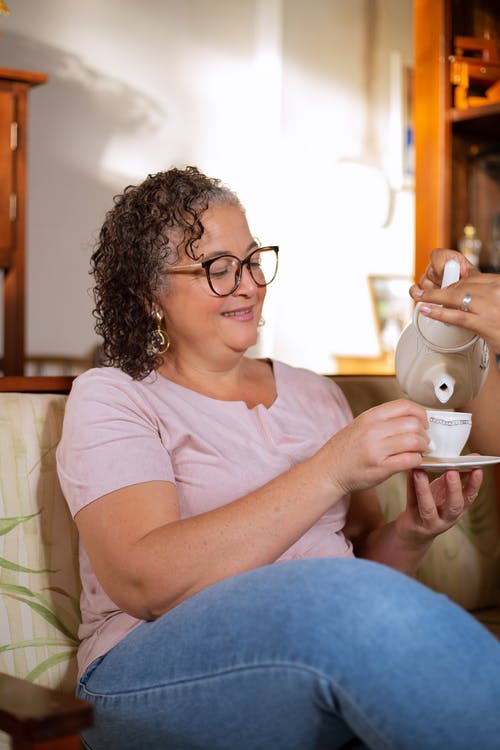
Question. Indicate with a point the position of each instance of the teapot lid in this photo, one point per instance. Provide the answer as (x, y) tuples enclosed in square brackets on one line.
[(443, 337)]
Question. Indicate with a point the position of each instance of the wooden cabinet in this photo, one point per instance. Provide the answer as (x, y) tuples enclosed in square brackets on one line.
[(457, 123), (14, 88)]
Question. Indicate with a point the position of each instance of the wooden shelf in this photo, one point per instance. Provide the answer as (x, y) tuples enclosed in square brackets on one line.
[(473, 113), (23, 76), (14, 88), (36, 384), (382, 365), (452, 187), (481, 121)]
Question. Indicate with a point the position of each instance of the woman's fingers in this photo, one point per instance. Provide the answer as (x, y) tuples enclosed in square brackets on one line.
[(398, 427), (401, 408), (379, 442), (442, 503), (482, 315), (424, 500), (472, 485), (482, 290), (438, 259), (454, 502), (433, 275)]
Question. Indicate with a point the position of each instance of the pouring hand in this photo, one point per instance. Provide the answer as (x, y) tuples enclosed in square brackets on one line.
[(483, 313), (433, 276)]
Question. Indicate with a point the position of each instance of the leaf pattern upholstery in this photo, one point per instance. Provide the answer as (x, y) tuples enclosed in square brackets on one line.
[(39, 582)]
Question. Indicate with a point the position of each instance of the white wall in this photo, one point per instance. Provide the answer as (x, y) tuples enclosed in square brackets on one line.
[(269, 95)]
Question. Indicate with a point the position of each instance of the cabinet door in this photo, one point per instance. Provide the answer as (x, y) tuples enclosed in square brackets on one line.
[(7, 187), (456, 148), (432, 129)]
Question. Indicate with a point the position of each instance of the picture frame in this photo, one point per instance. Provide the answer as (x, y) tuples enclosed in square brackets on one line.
[(392, 307), (401, 144), (408, 128)]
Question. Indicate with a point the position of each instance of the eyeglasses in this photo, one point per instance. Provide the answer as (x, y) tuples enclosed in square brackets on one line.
[(224, 272)]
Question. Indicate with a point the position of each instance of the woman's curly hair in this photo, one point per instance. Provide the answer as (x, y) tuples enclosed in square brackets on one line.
[(142, 234)]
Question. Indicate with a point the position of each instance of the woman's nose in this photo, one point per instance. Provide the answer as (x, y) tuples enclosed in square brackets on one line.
[(247, 285)]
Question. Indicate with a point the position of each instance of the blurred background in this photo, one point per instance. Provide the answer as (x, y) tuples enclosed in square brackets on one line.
[(304, 109)]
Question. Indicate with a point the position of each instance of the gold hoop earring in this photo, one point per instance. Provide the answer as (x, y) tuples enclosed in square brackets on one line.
[(159, 342)]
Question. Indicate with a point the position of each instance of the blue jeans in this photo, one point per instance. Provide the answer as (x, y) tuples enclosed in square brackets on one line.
[(319, 653)]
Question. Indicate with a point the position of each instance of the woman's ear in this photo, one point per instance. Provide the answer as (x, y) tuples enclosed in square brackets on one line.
[(151, 307)]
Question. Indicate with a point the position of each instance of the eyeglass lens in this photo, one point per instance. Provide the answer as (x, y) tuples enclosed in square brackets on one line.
[(225, 272)]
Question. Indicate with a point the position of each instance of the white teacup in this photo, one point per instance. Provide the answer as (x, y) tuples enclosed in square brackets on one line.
[(448, 432)]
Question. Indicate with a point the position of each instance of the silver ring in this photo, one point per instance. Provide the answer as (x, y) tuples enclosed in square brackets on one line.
[(466, 302)]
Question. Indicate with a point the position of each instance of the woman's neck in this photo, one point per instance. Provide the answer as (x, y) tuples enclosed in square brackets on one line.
[(248, 380)]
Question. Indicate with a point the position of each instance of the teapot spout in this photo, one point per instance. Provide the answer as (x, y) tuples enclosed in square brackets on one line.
[(444, 387)]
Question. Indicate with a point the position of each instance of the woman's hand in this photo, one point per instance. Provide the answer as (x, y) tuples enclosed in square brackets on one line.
[(433, 275), (433, 508), (482, 315), (380, 442)]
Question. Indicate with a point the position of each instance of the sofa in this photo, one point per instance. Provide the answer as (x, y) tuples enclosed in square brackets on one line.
[(39, 582)]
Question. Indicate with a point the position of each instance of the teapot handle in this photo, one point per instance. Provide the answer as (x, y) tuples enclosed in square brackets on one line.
[(451, 272)]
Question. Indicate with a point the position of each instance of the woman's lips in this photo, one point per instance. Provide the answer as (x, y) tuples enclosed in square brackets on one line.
[(243, 313)]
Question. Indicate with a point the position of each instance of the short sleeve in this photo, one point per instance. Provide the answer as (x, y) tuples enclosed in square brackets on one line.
[(317, 396), (110, 439), (339, 400)]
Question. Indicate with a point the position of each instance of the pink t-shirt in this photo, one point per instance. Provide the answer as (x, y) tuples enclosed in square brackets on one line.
[(118, 432)]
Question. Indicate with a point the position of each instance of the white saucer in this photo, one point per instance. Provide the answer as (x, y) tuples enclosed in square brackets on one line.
[(462, 463)]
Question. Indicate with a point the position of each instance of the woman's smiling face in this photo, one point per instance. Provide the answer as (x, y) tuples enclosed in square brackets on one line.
[(199, 323)]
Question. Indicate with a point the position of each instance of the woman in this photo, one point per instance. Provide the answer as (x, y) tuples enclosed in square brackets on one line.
[(473, 303), (191, 469)]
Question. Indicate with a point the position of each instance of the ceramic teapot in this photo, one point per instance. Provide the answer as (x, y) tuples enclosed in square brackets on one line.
[(437, 364)]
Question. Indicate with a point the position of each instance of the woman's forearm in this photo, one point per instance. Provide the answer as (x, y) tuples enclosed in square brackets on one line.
[(150, 562), (148, 568)]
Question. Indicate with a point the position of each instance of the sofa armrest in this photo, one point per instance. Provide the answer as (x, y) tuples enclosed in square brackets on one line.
[(32, 715)]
